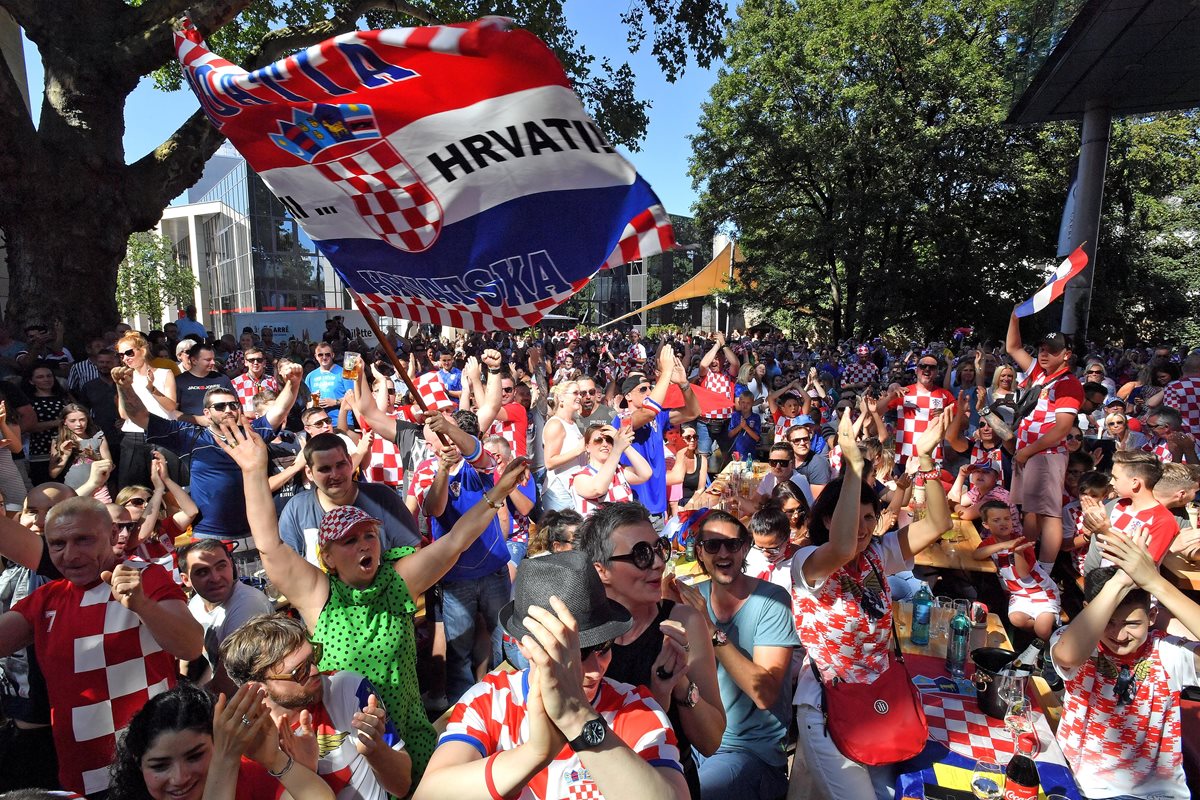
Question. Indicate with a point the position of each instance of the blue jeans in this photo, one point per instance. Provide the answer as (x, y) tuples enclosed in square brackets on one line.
[(903, 585), (461, 602), (516, 551), (740, 774), (704, 441)]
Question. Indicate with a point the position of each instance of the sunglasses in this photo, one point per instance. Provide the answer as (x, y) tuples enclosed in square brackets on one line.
[(599, 439), (800, 439), (1115, 423), (927, 366), (714, 546), (770, 551), (302, 671), (691, 438), (595, 650), (1125, 689), (128, 353), (229, 405), (254, 360), (643, 553), (588, 392), (506, 388), (136, 501), (320, 423), (129, 526), (780, 462), (1073, 438), (1094, 372)]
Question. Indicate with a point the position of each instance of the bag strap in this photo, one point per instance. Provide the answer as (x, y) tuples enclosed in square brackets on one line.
[(895, 632)]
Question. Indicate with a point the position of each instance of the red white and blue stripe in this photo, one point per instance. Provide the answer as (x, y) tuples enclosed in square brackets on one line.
[(449, 173), (1055, 285)]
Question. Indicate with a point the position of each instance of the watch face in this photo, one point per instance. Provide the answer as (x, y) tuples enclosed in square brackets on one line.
[(593, 732)]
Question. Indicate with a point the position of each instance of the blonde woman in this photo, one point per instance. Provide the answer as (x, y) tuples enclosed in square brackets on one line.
[(1116, 426), (563, 446), (156, 389), (1002, 397)]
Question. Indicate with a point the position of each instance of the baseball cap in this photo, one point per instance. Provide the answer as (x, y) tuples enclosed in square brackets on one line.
[(1114, 401), (1056, 342), (985, 465), (338, 523), (632, 382)]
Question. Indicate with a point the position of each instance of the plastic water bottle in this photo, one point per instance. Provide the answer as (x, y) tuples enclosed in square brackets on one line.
[(960, 639), (922, 613)]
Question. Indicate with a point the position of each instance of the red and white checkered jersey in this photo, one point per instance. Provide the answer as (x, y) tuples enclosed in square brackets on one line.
[(1060, 393), (384, 463), (783, 424), (918, 406), (722, 384), (514, 429), (1184, 395), (859, 372), (619, 492), (1072, 521), (999, 494), (101, 665), (835, 461), (247, 388), (1037, 585), (1131, 748), (1162, 451), (1157, 518), (841, 638), (491, 718)]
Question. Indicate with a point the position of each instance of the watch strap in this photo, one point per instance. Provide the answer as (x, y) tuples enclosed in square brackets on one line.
[(581, 742)]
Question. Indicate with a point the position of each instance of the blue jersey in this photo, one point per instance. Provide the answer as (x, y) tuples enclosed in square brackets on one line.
[(648, 440)]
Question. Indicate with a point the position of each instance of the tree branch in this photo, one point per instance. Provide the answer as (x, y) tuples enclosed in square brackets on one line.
[(148, 42), (158, 177), (280, 42)]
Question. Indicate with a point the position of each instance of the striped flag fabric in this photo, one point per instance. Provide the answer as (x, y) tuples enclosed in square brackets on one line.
[(449, 173), (1071, 266)]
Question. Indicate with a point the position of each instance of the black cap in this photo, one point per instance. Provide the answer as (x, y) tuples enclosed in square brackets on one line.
[(632, 382), (1056, 342), (572, 579)]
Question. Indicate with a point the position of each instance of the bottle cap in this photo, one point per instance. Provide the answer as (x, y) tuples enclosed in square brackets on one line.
[(1027, 743)]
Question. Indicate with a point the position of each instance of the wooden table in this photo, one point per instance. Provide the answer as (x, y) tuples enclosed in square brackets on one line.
[(944, 554), (712, 494), (993, 636), (1181, 572)]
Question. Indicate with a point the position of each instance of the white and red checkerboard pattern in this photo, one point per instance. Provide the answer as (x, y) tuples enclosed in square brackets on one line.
[(389, 196), (246, 388), (433, 391), (1184, 396), (618, 492), (1059, 393), (918, 407), (647, 234), (958, 723), (384, 463), (859, 372), (720, 383)]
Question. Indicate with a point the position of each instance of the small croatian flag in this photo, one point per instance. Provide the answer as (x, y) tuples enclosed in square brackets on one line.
[(1055, 284)]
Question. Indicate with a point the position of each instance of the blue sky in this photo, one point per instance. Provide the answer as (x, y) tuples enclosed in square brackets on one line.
[(151, 115)]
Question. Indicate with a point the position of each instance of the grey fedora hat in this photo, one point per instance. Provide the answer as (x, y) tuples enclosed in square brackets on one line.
[(571, 578)]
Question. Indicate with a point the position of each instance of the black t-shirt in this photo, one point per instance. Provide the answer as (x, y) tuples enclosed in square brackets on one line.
[(190, 390)]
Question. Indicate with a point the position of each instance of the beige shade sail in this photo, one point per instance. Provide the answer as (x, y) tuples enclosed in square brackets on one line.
[(714, 277)]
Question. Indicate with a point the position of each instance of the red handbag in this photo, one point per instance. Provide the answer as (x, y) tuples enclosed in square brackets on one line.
[(876, 723)]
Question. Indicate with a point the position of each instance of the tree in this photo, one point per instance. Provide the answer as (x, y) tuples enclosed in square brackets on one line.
[(150, 278), (71, 200), (857, 148)]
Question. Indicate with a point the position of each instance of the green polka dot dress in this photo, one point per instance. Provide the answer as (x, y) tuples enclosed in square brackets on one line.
[(370, 631)]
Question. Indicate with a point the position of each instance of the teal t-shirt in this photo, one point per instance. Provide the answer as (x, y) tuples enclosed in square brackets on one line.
[(764, 620)]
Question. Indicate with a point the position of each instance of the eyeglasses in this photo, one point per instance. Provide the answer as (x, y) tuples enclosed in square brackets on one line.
[(770, 551), (1073, 438), (1115, 423), (324, 355), (229, 405), (129, 526), (255, 360), (714, 546), (302, 671), (927, 367), (1156, 425), (320, 423), (128, 353), (779, 462), (595, 650), (136, 501), (642, 554)]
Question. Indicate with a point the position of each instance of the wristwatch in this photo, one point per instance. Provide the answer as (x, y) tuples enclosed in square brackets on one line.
[(594, 732), (985, 411), (719, 638), (692, 696)]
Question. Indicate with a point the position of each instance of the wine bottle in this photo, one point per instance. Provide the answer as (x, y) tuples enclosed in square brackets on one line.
[(1021, 780), (1029, 659), (922, 612)]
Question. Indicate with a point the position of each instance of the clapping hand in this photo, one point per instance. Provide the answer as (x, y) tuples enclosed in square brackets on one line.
[(370, 724), (1131, 555), (851, 455), (1095, 518)]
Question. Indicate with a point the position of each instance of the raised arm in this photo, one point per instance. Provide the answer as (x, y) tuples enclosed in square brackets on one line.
[(426, 567), (658, 394), (593, 486), (289, 387), (490, 408), (916, 536), (843, 526), (169, 621), (1014, 345), (305, 586)]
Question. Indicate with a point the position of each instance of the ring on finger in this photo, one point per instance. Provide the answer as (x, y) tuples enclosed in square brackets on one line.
[(246, 721)]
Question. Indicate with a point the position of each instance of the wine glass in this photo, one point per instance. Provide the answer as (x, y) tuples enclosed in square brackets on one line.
[(1012, 688), (987, 782), (1020, 719)]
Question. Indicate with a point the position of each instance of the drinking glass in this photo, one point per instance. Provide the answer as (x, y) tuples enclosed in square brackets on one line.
[(1020, 719), (940, 622), (350, 361), (904, 611), (987, 782), (1012, 688)]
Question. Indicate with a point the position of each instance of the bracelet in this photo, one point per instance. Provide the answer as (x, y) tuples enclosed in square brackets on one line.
[(493, 371), (491, 505), (283, 771), (488, 780), (921, 477)]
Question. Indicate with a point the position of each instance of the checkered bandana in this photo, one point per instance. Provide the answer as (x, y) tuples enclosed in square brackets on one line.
[(337, 523)]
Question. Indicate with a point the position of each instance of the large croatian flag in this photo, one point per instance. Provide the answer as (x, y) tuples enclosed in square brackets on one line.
[(449, 173), (1055, 284)]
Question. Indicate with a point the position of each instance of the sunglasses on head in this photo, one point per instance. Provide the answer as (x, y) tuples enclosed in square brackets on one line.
[(595, 650), (714, 546), (228, 405), (779, 462), (303, 670), (136, 501), (642, 554)]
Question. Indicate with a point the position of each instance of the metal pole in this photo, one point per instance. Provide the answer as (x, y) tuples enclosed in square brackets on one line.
[(1085, 227)]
